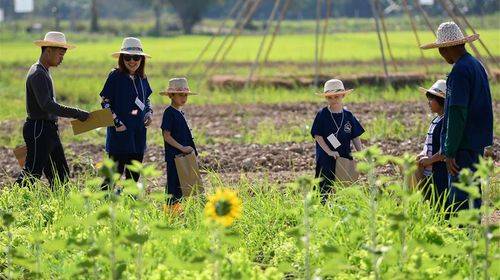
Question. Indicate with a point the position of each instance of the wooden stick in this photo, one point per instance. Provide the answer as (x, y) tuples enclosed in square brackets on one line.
[(474, 31), (325, 31), (425, 16), (414, 28), (262, 42), (283, 11), (316, 45), (384, 29), (209, 43), (381, 45), (473, 47)]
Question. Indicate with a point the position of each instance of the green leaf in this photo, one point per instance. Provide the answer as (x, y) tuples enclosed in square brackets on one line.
[(137, 238)]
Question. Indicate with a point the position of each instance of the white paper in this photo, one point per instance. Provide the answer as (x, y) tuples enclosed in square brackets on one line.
[(333, 140), (139, 104)]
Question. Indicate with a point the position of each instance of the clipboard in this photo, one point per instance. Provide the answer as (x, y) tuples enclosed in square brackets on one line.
[(20, 153), (99, 118)]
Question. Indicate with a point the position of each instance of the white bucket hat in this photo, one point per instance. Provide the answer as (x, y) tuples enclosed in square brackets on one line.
[(131, 46), (177, 85), (54, 39), (437, 89), (334, 87), (449, 34)]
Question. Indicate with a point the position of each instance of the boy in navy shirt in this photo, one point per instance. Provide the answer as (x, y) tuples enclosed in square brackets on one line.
[(334, 129), (430, 161), (177, 136)]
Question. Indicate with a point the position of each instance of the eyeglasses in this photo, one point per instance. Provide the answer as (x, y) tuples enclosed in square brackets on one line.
[(127, 57)]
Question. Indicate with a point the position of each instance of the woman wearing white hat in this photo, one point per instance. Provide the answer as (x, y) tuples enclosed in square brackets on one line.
[(126, 92), (468, 118), (44, 150)]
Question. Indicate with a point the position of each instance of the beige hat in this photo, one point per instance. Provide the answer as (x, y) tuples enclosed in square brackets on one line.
[(131, 46), (449, 34), (334, 87), (54, 39), (177, 85), (437, 89)]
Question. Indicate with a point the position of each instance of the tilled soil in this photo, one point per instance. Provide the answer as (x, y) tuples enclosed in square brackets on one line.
[(278, 161)]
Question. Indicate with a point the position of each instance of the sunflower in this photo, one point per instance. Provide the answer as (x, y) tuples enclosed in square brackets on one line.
[(223, 207)]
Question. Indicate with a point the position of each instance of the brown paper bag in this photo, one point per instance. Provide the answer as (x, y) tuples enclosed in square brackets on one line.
[(189, 174), (20, 154), (99, 118), (345, 170)]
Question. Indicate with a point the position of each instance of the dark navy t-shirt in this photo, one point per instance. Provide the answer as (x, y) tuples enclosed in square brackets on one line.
[(175, 122), (467, 86), (122, 91), (324, 125)]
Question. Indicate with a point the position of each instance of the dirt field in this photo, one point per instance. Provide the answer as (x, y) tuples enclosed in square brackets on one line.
[(279, 161)]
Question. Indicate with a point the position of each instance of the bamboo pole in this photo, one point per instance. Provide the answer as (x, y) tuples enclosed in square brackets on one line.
[(414, 28), (384, 29), (381, 46), (283, 11), (212, 38), (262, 42)]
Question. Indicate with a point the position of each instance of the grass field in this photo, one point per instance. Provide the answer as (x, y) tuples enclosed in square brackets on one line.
[(256, 142)]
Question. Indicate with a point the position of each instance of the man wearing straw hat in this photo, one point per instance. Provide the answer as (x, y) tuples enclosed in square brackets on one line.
[(45, 152), (468, 118)]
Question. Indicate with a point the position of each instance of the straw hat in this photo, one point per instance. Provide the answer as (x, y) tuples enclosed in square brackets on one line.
[(437, 89), (54, 39), (131, 46), (334, 87), (449, 34), (177, 85)]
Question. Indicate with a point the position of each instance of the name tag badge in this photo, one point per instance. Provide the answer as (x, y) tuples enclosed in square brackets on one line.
[(139, 104), (333, 140)]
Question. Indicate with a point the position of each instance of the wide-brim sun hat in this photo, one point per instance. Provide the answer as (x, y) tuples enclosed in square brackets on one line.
[(448, 35), (334, 87), (54, 39), (177, 85), (131, 46), (438, 89)]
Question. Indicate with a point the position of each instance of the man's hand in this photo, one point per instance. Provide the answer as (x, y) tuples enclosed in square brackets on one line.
[(424, 161), (333, 154), (187, 149), (83, 115), (147, 121), (452, 166)]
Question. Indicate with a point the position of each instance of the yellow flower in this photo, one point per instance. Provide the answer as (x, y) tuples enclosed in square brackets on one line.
[(98, 165), (223, 207)]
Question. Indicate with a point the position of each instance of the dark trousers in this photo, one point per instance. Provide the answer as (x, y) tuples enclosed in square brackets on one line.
[(45, 154), (458, 199), (327, 173), (173, 184), (121, 161)]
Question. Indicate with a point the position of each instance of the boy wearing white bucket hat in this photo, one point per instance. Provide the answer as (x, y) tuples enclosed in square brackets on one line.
[(334, 128), (45, 152), (177, 135), (468, 117), (430, 161)]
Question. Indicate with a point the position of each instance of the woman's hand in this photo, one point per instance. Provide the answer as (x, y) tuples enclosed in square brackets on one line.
[(187, 149), (121, 128)]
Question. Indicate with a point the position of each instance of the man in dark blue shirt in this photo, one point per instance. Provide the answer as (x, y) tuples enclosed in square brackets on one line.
[(468, 119)]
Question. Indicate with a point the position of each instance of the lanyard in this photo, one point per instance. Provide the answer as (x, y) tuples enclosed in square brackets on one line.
[(142, 88), (335, 122), (51, 81)]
